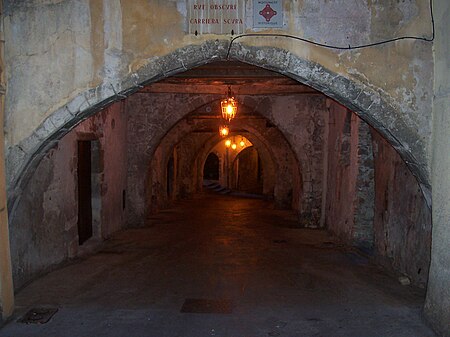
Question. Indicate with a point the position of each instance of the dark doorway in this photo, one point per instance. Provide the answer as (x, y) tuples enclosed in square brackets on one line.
[(170, 176), (84, 191), (211, 168)]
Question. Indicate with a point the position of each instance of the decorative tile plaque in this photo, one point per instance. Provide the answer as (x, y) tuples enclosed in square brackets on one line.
[(267, 14)]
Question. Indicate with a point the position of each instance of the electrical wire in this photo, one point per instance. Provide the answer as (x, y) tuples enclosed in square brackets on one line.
[(349, 47)]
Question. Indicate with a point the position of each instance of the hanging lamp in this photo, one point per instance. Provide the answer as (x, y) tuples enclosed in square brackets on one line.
[(224, 130), (229, 106)]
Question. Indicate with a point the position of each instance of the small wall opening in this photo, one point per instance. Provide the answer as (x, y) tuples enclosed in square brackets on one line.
[(84, 174), (170, 175), (211, 167)]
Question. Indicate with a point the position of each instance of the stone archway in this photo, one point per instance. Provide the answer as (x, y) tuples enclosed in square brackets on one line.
[(211, 167), (265, 140), (264, 150), (282, 185), (247, 171), (371, 105)]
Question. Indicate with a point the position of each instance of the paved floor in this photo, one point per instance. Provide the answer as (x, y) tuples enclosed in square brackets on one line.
[(280, 281)]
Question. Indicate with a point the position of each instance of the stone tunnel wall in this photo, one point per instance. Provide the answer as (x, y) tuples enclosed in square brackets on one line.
[(301, 119), (187, 151), (340, 173), (247, 168), (402, 222), (44, 232), (150, 117), (372, 199), (349, 195)]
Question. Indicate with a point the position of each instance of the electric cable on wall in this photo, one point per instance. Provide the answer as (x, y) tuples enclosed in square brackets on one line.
[(349, 47)]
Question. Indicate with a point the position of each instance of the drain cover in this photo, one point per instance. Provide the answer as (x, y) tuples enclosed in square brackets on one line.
[(38, 315), (205, 306)]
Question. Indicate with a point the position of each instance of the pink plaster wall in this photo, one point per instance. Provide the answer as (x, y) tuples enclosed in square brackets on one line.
[(44, 233)]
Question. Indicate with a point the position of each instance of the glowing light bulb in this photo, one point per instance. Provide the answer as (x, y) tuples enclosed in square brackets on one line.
[(228, 143), (242, 143), (224, 131), (229, 109), (234, 146)]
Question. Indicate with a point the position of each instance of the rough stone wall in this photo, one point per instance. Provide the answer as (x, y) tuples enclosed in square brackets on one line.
[(150, 117), (187, 151), (342, 171), (350, 187), (46, 223), (247, 168), (156, 196), (44, 232), (372, 200), (365, 189), (402, 222), (301, 119), (437, 307)]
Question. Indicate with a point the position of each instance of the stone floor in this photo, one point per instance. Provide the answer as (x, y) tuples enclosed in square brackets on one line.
[(276, 279)]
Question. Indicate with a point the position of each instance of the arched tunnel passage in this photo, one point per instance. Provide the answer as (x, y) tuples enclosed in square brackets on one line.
[(211, 169), (247, 171), (232, 173), (255, 139), (322, 161), (196, 135)]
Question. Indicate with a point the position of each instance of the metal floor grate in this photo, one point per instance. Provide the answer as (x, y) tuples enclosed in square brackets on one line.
[(38, 315)]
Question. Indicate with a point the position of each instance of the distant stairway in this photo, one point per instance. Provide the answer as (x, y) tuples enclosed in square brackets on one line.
[(214, 186)]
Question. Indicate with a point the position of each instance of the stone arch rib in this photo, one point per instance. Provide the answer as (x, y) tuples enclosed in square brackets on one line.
[(370, 104)]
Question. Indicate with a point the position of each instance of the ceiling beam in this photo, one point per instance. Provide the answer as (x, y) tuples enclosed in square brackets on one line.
[(256, 88)]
